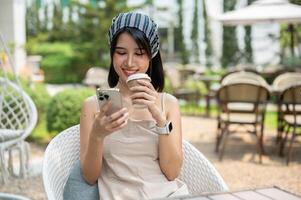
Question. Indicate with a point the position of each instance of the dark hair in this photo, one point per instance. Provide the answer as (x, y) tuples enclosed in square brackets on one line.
[(155, 69)]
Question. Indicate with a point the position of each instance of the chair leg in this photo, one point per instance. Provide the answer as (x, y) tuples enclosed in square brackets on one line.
[(24, 159), (262, 150), (219, 134), (289, 152), (279, 125), (224, 138), (4, 171), (10, 162), (283, 141)]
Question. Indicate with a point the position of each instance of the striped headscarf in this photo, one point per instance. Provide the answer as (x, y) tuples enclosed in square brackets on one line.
[(140, 21)]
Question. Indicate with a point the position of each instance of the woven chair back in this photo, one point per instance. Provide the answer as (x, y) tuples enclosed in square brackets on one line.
[(285, 80)]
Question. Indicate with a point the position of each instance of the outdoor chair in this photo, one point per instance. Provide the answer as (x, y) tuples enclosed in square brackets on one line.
[(241, 104), (18, 117), (282, 82), (244, 76), (178, 90), (96, 77), (290, 100), (61, 153)]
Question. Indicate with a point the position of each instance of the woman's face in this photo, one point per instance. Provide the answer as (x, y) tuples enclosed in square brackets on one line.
[(128, 58)]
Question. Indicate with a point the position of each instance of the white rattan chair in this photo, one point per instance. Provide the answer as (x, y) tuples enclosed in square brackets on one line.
[(197, 172), (18, 117)]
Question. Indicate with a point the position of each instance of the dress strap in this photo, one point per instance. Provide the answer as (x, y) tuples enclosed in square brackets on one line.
[(163, 102), (97, 105)]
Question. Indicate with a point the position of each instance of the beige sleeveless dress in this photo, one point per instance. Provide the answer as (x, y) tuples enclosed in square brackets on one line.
[(131, 167)]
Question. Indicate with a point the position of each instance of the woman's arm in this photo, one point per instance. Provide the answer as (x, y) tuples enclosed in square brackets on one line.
[(94, 126), (170, 146)]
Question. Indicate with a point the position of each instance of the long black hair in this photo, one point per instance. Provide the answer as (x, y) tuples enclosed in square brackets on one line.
[(155, 69)]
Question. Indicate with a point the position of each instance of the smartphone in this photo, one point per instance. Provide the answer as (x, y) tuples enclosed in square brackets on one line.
[(103, 95)]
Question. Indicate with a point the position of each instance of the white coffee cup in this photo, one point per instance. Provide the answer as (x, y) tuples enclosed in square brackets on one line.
[(132, 81)]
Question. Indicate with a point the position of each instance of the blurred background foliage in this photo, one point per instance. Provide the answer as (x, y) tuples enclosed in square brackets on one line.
[(72, 36)]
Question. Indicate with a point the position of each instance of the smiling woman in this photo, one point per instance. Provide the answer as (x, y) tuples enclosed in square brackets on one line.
[(135, 152)]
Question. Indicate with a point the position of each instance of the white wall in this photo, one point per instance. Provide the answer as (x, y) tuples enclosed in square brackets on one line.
[(12, 27)]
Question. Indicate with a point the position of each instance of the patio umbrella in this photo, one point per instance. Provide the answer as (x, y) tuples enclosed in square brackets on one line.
[(265, 11)]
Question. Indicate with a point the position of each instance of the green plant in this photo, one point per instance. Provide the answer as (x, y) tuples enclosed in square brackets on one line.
[(64, 108), (167, 86), (62, 62), (198, 85)]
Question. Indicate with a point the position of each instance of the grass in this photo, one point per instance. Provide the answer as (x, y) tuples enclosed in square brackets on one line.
[(196, 110), (40, 133)]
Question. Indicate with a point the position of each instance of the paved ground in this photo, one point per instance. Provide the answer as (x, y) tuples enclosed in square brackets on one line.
[(239, 168)]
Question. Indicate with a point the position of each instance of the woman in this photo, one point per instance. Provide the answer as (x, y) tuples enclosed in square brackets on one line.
[(133, 153)]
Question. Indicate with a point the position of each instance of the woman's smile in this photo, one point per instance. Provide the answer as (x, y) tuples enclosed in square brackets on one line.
[(128, 72)]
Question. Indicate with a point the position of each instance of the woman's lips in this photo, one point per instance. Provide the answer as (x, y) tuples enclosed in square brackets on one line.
[(129, 72)]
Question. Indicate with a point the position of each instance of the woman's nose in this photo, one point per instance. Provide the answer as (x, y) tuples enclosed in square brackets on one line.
[(130, 61)]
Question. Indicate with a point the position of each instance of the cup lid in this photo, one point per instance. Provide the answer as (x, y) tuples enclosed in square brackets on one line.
[(138, 76)]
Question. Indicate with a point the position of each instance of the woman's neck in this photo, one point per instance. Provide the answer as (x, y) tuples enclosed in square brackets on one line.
[(123, 89)]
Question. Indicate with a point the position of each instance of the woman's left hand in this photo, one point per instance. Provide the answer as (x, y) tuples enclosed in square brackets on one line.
[(146, 94)]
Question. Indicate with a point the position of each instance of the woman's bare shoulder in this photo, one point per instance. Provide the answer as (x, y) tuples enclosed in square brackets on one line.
[(90, 103), (170, 99)]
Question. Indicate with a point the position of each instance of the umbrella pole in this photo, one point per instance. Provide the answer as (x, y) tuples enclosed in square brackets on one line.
[(291, 29)]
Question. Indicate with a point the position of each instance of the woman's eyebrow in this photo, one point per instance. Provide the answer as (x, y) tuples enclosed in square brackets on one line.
[(123, 48), (119, 47)]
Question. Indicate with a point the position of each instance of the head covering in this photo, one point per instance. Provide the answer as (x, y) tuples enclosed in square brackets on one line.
[(140, 21)]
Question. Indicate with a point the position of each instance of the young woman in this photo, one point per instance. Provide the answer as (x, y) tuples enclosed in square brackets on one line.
[(132, 153)]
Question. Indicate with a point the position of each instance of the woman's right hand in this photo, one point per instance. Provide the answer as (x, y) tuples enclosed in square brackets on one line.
[(104, 125)]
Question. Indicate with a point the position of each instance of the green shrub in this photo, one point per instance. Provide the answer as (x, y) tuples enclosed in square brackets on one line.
[(62, 62), (197, 85), (39, 95), (167, 86), (64, 109)]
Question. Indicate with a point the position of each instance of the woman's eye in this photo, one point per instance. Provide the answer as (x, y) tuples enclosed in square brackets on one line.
[(120, 53), (140, 53)]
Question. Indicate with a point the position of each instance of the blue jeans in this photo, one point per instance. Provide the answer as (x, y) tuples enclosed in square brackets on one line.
[(76, 187)]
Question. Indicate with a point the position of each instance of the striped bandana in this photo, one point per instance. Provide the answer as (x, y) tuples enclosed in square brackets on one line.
[(140, 21)]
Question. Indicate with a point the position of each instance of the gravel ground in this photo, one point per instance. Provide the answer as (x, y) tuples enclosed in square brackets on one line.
[(239, 168)]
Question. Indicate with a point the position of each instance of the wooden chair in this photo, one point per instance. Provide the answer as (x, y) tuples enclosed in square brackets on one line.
[(179, 91), (241, 104), (290, 100), (282, 82)]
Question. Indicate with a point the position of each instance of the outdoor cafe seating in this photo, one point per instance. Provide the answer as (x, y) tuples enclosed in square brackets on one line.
[(242, 100), (280, 83), (176, 82), (18, 117), (290, 107)]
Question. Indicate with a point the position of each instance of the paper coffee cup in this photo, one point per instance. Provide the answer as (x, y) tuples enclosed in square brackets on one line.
[(132, 81)]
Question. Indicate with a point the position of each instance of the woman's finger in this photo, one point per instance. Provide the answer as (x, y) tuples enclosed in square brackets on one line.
[(143, 89), (106, 106), (113, 125), (146, 83)]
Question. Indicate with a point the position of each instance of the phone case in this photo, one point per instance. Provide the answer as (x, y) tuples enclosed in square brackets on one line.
[(103, 95)]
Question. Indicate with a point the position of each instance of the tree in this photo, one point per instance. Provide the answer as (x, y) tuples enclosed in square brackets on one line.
[(208, 49), (230, 47), (248, 42), (83, 39), (179, 36), (195, 33)]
